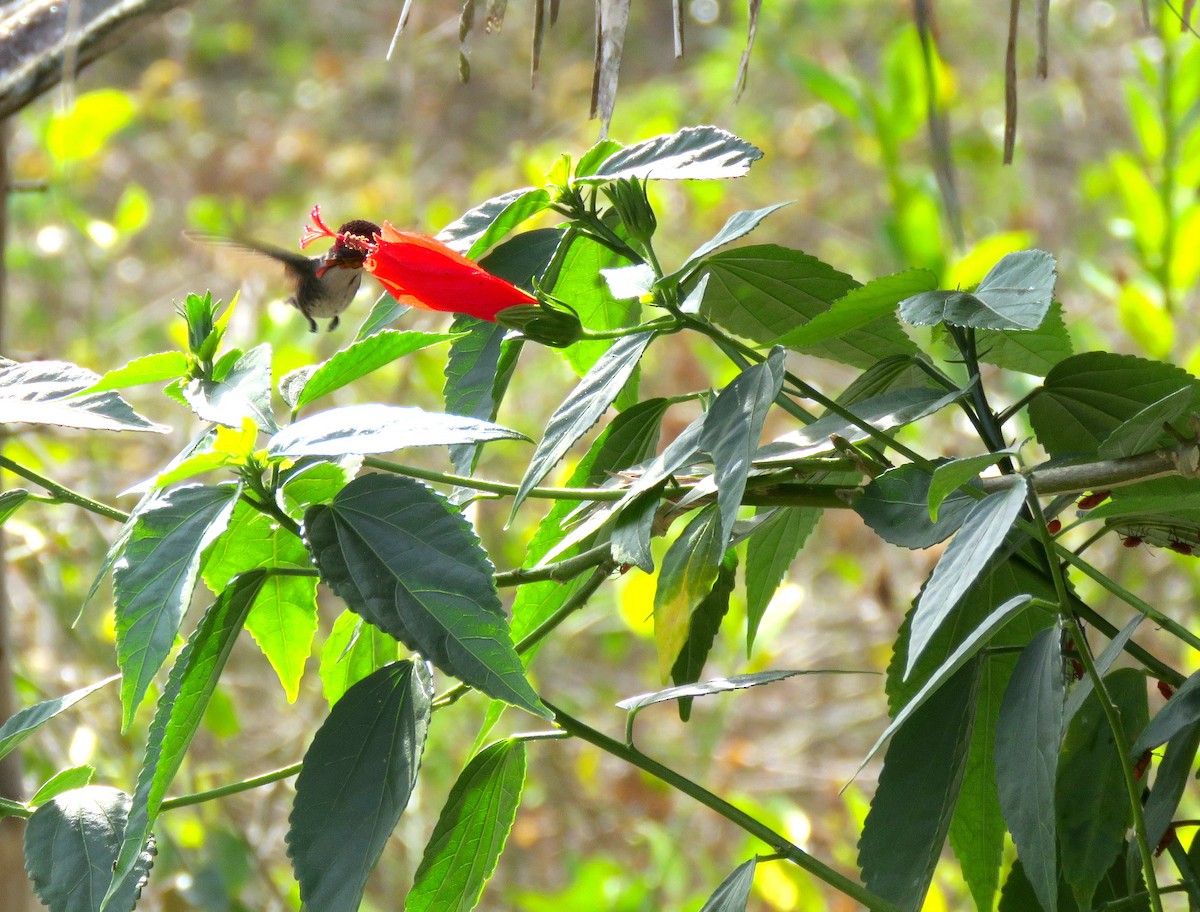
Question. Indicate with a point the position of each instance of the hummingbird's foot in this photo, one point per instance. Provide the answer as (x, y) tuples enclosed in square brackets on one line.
[(312, 324), (333, 324)]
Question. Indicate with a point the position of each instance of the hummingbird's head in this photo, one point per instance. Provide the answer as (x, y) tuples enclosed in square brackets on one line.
[(351, 243)]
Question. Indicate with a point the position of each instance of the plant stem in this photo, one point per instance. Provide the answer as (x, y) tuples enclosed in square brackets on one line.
[(233, 788), (64, 494), (559, 571), (736, 816), (493, 487)]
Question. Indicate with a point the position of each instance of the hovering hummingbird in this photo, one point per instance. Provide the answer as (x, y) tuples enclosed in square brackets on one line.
[(324, 285)]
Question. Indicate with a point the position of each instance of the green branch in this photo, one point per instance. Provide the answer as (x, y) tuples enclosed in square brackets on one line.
[(63, 494)]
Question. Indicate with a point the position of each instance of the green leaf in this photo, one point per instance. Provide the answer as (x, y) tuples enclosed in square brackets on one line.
[(470, 832), (689, 570), (315, 480), (895, 506), (859, 307), (64, 781), (23, 723), (374, 428), (596, 156), (769, 553), (1087, 397), (732, 428), (949, 476), (472, 371), (83, 128), (353, 650), (982, 533), (53, 392), (396, 553), (468, 228), (361, 358), (244, 392), (639, 702), (1015, 295), (1092, 805), (1171, 778), (1028, 351), (734, 891), (1027, 744), (765, 291), (521, 209), (631, 534), (581, 283), (157, 368), (1144, 431), (910, 814), (193, 678), (385, 311), (358, 775), (10, 502), (583, 408), (702, 630), (736, 226), (71, 845), (1181, 712), (693, 153), (154, 578), (283, 620)]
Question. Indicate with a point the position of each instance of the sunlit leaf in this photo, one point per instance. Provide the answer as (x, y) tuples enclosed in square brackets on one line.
[(703, 627), (734, 891), (1015, 295), (244, 392), (156, 368), (23, 723), (47, 392), (693, 153)]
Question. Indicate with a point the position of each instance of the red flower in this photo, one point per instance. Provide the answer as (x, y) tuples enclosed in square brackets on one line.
[(421, 271)]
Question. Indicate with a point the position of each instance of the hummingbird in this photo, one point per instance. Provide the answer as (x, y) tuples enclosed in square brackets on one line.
[(324, 285)]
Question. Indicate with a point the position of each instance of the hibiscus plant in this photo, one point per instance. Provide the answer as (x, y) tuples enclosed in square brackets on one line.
[(1017, 706)]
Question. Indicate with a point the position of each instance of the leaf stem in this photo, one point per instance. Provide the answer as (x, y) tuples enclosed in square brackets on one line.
[(493, 487), (233, 788), (64, 494), (559, 571), (697, 792)]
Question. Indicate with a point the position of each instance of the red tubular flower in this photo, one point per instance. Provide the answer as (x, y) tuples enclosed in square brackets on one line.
[(423, 272)]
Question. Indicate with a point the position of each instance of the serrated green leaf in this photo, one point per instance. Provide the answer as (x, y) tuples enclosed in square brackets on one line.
[(156, 368), (193, 678), (154, 577), (859, 307), (1015, 295), (736, 226), (1144, 431), (910, 814), (702, 630), (583, 408), (64, 781), (1092, 806), (521, 209), (734, 891), (353, 650), (693, 153), (689, 570), (463, 232), (472, 369), (244, 392), (1027, 745), (283, 620), (71, 845), (1028, 351), (400, 557), (949, 476), (470, 832), (895, 506), (361, 358), (53, 392), (769, 553), (732, 428), (385, 311), (23, 723), (358, 775), (1088, 396), (982, 533), (374, 428)]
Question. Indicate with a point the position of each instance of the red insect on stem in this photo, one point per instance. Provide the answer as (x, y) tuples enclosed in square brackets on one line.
[(1054, 526), (1165, 689)]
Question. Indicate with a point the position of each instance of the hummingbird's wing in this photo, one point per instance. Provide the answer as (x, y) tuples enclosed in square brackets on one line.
[(295, 262)]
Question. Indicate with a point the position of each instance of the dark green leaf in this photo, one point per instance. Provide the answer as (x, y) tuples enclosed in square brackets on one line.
[(703, 626), (154, 578), (1087, 397), (374, 428), (769, 553), (473, 224), (361, 358), (358, 775), (1144, 431), (396, 553), (583, 408), (48, 392), (693, 153), (1027, 744), (738, 225), (632, 531), (982, 533), (910, 814), (896, 508), (1181, 712), (1092, 805), (734, 891), (156, 368), (244, 392), (689, 570), (1170, 780), (71, 845), (353, 650), (385, 311), (470, 832), (859, 308), (1028, 351), (193, 679), (1104, 662), (732, 428), (1015, 295), (23, 723), (764, 292)]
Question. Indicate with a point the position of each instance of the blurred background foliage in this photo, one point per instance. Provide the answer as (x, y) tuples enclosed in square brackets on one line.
[(233, 117)]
